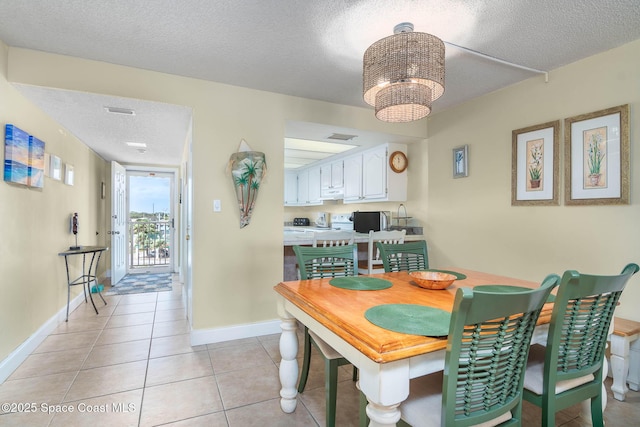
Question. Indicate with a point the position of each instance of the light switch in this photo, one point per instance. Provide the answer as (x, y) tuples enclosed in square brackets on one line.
[(217, 207)]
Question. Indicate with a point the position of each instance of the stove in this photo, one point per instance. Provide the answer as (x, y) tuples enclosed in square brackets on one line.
[(341, 222)]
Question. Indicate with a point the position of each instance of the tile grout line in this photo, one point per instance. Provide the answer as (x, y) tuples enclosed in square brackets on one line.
[(146, 371)]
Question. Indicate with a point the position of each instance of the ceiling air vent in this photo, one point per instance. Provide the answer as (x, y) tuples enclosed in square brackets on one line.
[(341, 136), (118, 110)]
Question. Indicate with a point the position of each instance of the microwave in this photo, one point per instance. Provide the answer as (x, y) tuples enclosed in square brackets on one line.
[(363, 222)]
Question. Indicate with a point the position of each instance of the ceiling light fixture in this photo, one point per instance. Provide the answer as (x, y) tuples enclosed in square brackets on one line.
[(119, 110), (403, 74)]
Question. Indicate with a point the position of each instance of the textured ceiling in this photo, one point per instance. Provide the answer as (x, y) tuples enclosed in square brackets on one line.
[(314, 49)]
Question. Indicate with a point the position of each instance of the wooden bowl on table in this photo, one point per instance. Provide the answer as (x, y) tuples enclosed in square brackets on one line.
[(432, 279)]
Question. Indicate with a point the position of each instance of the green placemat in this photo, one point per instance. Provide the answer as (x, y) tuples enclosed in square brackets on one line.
[(410, 319), (360, 283), (459, 276), (509, 288)]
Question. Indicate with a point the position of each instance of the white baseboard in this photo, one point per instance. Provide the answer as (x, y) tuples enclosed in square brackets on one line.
[(198, 337), (210, 336), (20, 354)]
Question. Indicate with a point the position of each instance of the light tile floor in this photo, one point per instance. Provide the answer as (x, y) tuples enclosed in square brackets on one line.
[(132, 365)]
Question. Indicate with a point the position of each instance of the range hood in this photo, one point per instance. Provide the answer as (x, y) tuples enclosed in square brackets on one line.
[(332, 194)]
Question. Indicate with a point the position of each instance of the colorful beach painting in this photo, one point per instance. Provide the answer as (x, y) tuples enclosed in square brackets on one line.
[(36, 162), (16, 155), (23, 157)]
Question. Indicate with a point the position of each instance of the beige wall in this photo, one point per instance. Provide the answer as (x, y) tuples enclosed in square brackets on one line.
[(470, 221), (34, 224), (234, 270)]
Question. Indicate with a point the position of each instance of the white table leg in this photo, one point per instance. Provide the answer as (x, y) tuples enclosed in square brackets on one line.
[(288, 364), (619, 366), (380, 416), (634, 364), (385, 385)]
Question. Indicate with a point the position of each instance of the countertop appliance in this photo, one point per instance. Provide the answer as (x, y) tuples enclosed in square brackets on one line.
[(322, 220), (301, 221), (363, 222), (341, 222)]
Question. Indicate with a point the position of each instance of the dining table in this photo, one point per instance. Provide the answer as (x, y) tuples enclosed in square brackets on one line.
[(342, 313)]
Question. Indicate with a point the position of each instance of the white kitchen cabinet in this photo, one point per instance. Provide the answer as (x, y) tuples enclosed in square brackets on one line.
[(378, 183), (314, 186), (356, 178), (309, 187), (353, 178), (303, 187), (332, 179), (290, 188), (374, 173)]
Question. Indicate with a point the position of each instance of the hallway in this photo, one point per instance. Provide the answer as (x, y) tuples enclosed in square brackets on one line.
[(132, 365)]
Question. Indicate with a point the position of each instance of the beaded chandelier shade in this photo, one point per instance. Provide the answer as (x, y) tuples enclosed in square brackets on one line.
[(403, 74)]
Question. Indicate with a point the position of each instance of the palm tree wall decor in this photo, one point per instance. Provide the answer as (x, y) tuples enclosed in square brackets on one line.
[(247, 170)]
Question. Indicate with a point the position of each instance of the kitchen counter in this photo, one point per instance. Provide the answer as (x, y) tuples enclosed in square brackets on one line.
[(304, 236)]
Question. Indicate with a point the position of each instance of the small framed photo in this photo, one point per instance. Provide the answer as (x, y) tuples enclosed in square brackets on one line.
[(597, 157), (461, 161), (55, 167), (68, 174), (535, 151)]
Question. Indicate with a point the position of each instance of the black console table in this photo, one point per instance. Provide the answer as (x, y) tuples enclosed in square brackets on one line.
[(89, 274)]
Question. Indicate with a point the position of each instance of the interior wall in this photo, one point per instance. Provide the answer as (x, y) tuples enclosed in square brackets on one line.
[(34, 223), (234, 270), (470, 221)]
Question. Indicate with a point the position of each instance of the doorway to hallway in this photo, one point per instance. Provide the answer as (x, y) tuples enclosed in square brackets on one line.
[(150, 221)]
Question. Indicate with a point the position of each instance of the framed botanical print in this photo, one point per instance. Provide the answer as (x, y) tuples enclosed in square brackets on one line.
[(535, 165), (597, 157)]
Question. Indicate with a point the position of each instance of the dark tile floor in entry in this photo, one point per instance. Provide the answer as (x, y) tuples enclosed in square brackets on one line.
[(133, 365)]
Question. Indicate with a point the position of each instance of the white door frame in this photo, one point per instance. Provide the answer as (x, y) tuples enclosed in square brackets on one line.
[(175, 256), (118, 231)]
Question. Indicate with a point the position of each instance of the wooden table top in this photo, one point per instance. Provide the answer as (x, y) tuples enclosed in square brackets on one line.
[(342, 310)]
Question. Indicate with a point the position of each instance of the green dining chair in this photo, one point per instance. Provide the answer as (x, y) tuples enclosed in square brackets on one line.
[(489, 338), (408, 256), (568, 370), (317, 263)]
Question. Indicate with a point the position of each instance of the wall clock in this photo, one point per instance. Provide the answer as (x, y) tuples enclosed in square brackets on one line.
[(398, 161)]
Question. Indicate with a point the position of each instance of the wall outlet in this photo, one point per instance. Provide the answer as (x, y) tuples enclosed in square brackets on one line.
[(217, 207)]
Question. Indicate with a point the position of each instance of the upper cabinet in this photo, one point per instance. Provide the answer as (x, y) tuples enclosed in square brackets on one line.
[(309, 187), (353, 178), (366, 176), (314, 186), (290, 188), (374, 174), (332, 179), (376, 180)]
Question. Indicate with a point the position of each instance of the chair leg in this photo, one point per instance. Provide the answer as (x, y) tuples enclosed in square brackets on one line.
[(548, 415), (306, 361), (363, 418), (597, 420), (331, 390)]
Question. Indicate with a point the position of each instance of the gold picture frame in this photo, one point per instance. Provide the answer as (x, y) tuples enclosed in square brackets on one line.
[(597, 157), (535, 153)]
